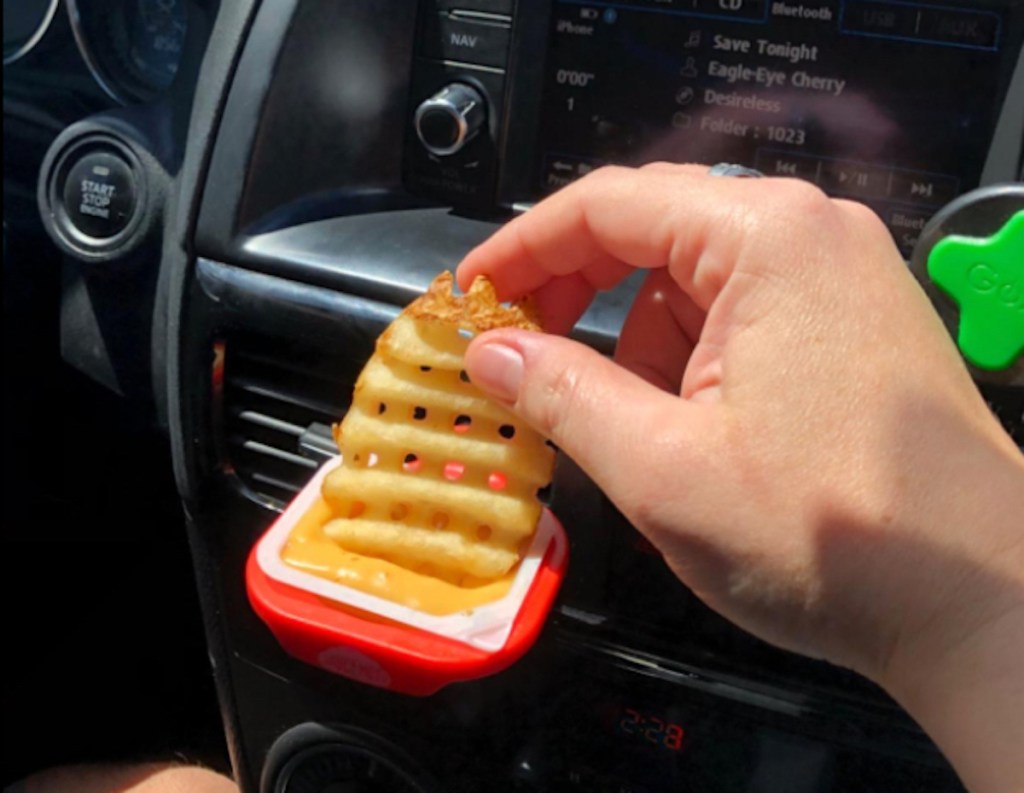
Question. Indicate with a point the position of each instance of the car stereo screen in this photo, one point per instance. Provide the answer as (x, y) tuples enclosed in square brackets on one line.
[(889, 103)]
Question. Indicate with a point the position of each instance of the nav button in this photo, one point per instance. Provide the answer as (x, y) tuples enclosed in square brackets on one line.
[(473, 41)]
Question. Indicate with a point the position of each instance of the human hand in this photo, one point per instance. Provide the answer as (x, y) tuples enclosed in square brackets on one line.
[(786, 418)]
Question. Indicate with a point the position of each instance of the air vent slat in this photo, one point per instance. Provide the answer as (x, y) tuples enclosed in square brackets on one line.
[(280, 395), (275, 393), (271, 423), (299, 364), (256, 467), (273, 482), (278, 454)]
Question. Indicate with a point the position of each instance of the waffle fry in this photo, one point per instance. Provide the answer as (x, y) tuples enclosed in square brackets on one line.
[(436, 477)]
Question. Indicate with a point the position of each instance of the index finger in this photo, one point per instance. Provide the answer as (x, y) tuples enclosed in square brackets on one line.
[(607, 224)]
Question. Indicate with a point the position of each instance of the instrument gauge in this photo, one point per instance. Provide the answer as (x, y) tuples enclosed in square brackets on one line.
[(133, 47), (25, 24)]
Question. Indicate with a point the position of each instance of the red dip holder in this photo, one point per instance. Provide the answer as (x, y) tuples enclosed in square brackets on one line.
[(380, 643)]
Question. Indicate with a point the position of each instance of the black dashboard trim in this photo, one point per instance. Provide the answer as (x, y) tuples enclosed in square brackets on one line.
[(37, 36), (1007, 151), (228, 27), (314, 112), (393, 256)]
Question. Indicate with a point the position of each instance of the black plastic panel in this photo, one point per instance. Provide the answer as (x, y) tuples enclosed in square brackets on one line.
[(318, 109), (393, 256)]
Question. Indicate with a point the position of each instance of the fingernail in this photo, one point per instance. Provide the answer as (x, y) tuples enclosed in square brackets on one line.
[(497, 369)]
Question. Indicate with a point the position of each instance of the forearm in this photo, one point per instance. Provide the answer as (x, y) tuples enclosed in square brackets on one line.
[(964, 681)]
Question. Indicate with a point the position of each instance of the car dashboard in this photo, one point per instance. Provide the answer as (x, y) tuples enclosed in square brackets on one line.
[(243, 195)]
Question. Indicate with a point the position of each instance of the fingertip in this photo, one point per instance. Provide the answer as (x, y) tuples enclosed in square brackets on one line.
[(467, 270), (504, 260), (494, 363)]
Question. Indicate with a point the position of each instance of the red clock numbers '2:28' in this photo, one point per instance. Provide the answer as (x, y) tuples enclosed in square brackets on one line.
[(651, 729)]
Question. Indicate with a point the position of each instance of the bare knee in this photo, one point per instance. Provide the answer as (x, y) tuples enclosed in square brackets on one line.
[(115, 778)]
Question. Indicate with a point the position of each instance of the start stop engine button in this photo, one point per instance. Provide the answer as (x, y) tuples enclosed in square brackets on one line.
[(99, 195), (95, 194)]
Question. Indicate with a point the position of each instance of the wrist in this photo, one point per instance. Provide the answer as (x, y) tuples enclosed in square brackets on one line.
[(970, 701), (960, 671)]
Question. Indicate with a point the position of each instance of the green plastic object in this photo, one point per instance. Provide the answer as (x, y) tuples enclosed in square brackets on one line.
[(986, 279)]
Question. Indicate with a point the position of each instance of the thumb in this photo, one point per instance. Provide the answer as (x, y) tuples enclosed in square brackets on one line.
[(616, 426)]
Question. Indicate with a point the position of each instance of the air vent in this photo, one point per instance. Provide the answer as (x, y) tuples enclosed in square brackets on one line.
[(277, 403)]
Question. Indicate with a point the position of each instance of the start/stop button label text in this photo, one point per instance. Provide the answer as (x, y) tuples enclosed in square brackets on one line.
[(96, 195)]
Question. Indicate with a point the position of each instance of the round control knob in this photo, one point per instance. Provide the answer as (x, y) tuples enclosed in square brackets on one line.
[(970, 259), (317, 758), (342, 768), (450, 118)]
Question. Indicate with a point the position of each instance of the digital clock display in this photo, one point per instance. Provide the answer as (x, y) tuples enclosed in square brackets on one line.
[(618, 731), (652, 729)]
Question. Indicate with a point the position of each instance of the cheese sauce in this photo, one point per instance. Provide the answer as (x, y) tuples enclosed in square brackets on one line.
[(310, 550)]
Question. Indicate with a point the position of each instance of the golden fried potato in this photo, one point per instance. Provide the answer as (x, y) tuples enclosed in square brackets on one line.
[(434, 474)]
